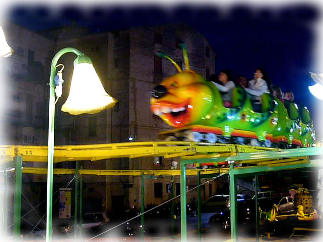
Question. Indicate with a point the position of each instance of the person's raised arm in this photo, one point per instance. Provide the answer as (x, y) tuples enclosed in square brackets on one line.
[(230, 85)]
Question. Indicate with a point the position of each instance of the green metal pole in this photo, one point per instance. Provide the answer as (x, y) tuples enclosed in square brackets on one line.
[(142, 207), (76, 198), (183, 202), (172, 208), (199, 206), (233, 204), (1, 208), (17, 198), (81, 203), (6, 204), (51, 128), (257, 207)]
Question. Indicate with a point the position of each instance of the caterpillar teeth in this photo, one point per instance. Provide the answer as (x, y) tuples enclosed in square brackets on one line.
[(164, 110)]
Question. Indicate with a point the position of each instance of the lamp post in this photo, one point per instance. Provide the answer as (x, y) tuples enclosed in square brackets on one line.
[(91, 99)]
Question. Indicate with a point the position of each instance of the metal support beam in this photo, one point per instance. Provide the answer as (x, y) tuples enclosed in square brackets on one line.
[(172, 208), (1, 204), (199, 206), (17, 198), (6, 203), (233, 204), (257, 206), (183, 202), (81, 203), (142, 207), (76, 198)]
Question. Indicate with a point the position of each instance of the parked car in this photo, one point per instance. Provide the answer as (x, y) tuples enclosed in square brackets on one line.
[(246, 217), (218, 203)]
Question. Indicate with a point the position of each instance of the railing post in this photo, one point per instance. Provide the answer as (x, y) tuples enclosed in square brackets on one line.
[(1, 204), (233, 203), (172, 209), (199, 205), (17, 198), (183, 202), (142, 207), (76, 198), (6, 203), (81, 203), (257, 207)]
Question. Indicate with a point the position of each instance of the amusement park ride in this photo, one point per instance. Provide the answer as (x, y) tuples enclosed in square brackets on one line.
[(237, 140)]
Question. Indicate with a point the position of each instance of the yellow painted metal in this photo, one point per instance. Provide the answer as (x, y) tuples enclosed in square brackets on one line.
[(283, 161), (61, 171), (185, 150), (120, 150)]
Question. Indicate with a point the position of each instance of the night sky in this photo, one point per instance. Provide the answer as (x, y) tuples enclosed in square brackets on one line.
[(280, 40)]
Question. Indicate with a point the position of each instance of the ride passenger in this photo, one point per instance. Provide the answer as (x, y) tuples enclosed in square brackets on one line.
[(277, 92), (226, 87), (289, 95), (257, 87), (242, 81)]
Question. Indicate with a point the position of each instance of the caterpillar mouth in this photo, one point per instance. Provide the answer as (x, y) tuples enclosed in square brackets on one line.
[(176, 114)]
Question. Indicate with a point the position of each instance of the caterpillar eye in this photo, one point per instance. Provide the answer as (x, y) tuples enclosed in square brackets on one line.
[(174, 84)]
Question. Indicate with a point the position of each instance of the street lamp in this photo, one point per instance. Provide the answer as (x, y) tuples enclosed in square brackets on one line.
[(90, 98), (317, 89), (5, 49)]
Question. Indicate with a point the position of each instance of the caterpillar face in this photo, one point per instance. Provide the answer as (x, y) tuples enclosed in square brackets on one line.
[(181, 99)]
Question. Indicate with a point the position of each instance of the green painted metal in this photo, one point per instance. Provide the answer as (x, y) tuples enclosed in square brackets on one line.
[(199, 206), (183, 202), (142, 207), (207, 109), (172, 208), (262, 169), (233, 204), (51, 141), (81, 203), (76, 200), (277, 154), (17, 198), (6, 205), (257, 206), (1, 208)]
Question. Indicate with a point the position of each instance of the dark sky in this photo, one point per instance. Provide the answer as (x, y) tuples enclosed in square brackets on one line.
[(280, 40)]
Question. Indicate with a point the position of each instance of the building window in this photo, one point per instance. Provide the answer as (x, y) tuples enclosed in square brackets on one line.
[(95, 49), (29, 109), (158, 66), (19, 51), (158, 190), (210, 190), (116, 63), (93, 126), (158, 38), (207, 73), (207, 52), (178, 189), (116, 34), (178, 42)]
